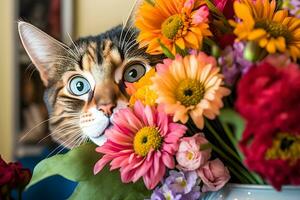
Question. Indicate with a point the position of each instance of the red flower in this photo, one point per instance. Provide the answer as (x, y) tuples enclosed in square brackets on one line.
[(6, 174), (258, 146), (266, 90), (268, 97), (22, 175), (226, 7), (13, 174)]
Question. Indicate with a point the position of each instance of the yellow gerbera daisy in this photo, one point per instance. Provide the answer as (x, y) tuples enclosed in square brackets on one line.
[(271, 29), (180, 22), (190, 86)]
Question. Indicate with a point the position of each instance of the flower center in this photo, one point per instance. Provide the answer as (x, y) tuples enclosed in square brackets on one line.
[(274, 29), (171, 26), (190, 92), (181, 181), (189, 155), (146, 139), (286, 147)]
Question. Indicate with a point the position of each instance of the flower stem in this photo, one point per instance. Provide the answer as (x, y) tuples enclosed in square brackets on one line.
[(216, 135), (232, 140), (235, 143), (20, 194), (235, 166)]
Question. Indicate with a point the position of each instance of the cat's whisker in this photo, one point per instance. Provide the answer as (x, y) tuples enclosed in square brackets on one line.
[(77, 135), (120, 38), (128, 50), (130, 44), (66, 127), (79, 142), (36, 126), (75, 141), (62, 58), (56, 62), (30, 69), (31, 74), (63, 144), (41, 123), (78, 53), (68, 132), (69, 50), (124, 38), (126, 22), (130, 40)]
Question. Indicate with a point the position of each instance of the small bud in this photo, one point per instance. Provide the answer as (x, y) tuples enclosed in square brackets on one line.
[(215, 51), (252, 51)]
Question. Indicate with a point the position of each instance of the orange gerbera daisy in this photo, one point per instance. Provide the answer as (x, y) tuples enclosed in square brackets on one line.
[(272, 29), (190, 86), (175, 22)]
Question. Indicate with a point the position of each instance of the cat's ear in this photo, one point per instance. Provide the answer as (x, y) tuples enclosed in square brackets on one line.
[(41, 48)]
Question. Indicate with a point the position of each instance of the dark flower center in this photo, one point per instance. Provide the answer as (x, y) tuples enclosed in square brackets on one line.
[(190, 92), (275, 29), (285, 146)]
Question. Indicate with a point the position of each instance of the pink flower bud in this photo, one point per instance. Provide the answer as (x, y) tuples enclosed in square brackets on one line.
[(214, 175), (189, 155)]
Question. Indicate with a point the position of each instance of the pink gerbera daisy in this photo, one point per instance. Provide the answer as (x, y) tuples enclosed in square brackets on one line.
[(142, 143)]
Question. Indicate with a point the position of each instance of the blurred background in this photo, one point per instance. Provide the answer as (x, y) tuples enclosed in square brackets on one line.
[(22, 110)]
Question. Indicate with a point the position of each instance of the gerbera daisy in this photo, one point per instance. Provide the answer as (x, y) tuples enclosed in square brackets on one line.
[(175, 22), (141, 91), (190, 86), (142, 143), (271, 29)]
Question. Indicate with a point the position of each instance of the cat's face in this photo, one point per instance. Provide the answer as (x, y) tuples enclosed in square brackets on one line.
[(85, 83)]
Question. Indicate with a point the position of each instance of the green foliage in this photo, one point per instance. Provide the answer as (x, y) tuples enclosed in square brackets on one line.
[(229, 116), (77, 165), (166, 51), (182, 52), (108, 186)]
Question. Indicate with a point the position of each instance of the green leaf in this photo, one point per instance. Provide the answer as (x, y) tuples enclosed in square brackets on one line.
[(166, 51), (229, 116), (182, 52), (76, 165), (107, 185)]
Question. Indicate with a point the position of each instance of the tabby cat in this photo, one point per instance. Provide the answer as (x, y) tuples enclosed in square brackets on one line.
[(85, 82)]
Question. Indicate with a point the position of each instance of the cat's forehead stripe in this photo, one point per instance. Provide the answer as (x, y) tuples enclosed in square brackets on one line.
[(89, 59)]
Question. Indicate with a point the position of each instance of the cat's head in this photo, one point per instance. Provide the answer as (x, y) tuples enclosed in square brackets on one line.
[(85, 82)]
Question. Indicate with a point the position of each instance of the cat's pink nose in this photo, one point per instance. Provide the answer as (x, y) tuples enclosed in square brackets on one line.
[(107, 108)]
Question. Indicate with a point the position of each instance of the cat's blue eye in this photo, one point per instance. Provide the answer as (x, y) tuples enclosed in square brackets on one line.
[(134, 72), (78, 85)]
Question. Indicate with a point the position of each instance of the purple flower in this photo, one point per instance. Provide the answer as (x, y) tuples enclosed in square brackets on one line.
[(233, 63), (157, 195), (164, 193), (178, 185), (193, 194), (181, 182), (293, 6)]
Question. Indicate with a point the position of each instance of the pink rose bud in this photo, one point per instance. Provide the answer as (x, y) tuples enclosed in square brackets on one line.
[(190, 156), (214, 175)]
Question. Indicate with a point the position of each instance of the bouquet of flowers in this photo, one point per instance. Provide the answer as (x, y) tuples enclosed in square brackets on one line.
[(223, 106)]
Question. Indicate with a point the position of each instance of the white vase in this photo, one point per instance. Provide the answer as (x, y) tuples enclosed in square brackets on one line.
[(253, 192)]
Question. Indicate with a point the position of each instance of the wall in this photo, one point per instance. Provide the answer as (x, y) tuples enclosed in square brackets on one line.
[(6, 78), (95, 16)]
